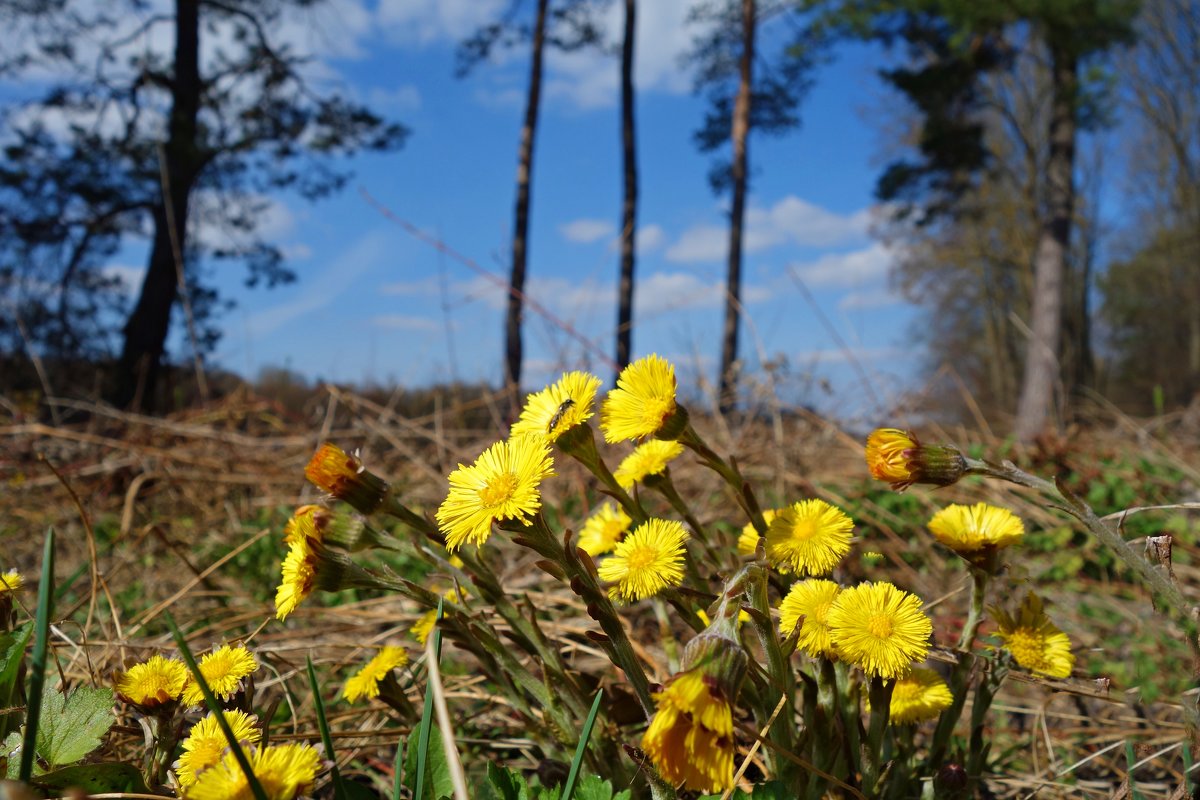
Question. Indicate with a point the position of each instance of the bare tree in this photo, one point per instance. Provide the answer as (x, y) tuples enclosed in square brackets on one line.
[(630, 196)]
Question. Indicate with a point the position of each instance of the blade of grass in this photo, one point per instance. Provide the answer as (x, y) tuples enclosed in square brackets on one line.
[(398, 768), (339, 791), (427, 712), (41, 643), (584, 736), (210, 700)]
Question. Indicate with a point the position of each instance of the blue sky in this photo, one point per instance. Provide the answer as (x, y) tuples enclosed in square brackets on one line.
[(373, 303)]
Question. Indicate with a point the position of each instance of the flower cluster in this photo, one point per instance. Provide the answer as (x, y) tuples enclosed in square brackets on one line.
[(161, 680)]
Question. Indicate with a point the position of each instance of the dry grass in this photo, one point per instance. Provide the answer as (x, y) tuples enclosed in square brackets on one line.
[(184, 515)]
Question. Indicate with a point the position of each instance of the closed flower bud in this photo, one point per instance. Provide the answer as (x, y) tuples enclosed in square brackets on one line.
[(898, 457)]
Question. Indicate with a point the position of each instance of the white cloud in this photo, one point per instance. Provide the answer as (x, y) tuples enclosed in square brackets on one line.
[(586, 231), (590, 79), (405, 322), (790, 221), (855, 269), (662, 292), (649, 238), (700, 243), (427, 21)]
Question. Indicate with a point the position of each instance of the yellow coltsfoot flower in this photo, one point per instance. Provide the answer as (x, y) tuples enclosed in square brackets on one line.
[(879, 628), (501, 485), (648, 458), (224, 670), (690, 739), (365, 682), (809, 538), (206, 744), (603, 530), (153, 682), (918, 696), (10, 581), (299, 575), (284, 771), (1035, 642), (559, 407), (747, 542), (648, 560), (898, 457), (642, 402), (807, 603), (976, 532)]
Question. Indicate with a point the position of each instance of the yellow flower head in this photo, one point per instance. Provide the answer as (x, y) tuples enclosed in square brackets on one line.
[(283, 770), (502, 484), (809, 538), (648, 560), (424, 626), (206, 743), (898, 457), (343, 475), (307, 523), (690, 739), (223, 669), (365, 682), (603, 530), (879, 628), (299, 576), (808, 603), (747, 543), (1034, 641), (10, 581), (970, 529), (648, 458), (918, 696), (559, 407), (153, 682), (642, 402)]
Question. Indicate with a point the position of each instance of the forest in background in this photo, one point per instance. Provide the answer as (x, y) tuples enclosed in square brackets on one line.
[(1013, 121)]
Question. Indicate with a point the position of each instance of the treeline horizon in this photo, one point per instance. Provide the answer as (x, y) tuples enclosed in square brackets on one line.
[(1032, 301)]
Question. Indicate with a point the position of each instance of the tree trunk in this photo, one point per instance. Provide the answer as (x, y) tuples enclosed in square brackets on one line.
[(1042, 368), (727, 392), (520, 243), (148, 324), (629, 204)]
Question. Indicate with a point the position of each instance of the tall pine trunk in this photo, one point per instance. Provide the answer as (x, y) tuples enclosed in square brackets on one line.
[(727, 391), (147, 327), (1043, 371), (520, 244), (629, 203)]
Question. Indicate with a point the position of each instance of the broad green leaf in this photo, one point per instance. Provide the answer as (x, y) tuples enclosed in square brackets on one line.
[(95, 779), (71, 727), (437, 772), (504, 784), (594, 787), (10, 753)]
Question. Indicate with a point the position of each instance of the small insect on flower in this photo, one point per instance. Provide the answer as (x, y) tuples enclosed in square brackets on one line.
[(566, 406)]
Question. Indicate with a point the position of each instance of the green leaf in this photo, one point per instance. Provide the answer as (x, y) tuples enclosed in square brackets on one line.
[(504, 784), (71, 727), (95, 779), (437, 772), (12, 655), (594, 787), (10, 754)]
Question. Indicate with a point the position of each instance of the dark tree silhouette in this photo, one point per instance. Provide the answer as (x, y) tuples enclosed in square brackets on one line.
[(154, 132)]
